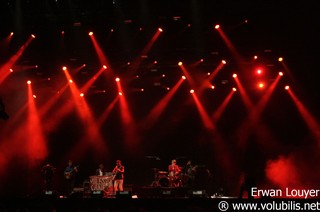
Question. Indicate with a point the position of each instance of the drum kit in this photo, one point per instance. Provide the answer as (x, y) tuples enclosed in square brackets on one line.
[(163, 179)]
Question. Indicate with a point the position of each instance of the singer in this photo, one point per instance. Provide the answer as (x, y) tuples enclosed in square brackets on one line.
[(118, 174)]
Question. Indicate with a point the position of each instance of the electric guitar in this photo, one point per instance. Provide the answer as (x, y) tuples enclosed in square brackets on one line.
[(69, 174)]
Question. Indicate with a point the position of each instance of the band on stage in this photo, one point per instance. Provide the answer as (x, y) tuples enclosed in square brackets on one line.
[(113, 181)]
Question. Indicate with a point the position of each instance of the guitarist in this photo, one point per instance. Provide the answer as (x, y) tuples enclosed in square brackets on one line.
[(118, 173), (69, 173)]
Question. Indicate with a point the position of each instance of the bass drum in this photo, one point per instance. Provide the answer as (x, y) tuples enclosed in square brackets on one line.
[(164, 181)]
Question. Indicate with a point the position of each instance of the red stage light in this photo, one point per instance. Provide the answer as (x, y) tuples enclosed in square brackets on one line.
[(281, 73), (259, 71), (184, 77), (191, 91), (81, 94), (234, 89), (117, 79), (223, 61), (261, 85), (29, 82), (217, 26), (212, 87), (104, 66), (11, 34), (70, 81), (34, 96), (287, 87), (255, 57), (234, 75), (180, 64), (280, 59), (11, 70), (64, 68), (120, 93), (33, 36), (160, 29), (90, 33)]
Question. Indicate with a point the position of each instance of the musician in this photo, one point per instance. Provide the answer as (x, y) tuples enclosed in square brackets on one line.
[(70, 176), (100, 171), (174, 171), (47, 173), (118, 173), (189, 173)]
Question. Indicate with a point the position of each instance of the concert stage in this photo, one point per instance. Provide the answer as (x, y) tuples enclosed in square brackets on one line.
[(51, 203)]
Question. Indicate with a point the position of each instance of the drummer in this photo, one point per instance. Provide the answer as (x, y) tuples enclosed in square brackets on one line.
[(174, 169)]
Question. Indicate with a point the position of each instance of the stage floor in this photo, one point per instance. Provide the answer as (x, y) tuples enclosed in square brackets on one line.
[(110, 204)]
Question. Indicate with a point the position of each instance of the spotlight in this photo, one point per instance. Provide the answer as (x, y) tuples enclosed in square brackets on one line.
[(81, 94), (234, 75), (11, 34), (104, 66), (180, 63), (90, 33), (255, 57), (160, 29), (201, 60), (11, 70), (212, 87), (259, 71), (64, 68), (260, 85), (33, 36), (234, 89), (70, 81), (280, 59), (281, 73), (191, 91), (217, 26), (184, 77), (120, 93), (117, 79), (29, 82), (34, 96), (287, 87), (223, 61)]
